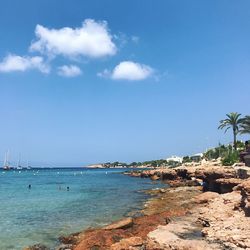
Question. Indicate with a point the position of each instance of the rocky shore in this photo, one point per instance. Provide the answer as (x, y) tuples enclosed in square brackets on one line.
[(181, 216)]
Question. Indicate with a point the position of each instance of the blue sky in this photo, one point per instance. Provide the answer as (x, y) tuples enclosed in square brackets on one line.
[(126, 80)]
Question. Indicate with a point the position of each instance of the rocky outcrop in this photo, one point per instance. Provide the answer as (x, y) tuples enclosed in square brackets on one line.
[(165, 203), (128, 243), (216, 178), (122, 224), (224, 221), (205, 197), (225, 185), (244, 189), (182, 234)]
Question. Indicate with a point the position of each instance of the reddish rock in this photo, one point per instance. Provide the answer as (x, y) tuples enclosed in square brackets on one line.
[(205, 197), (122, 224), (154, 177), (126, 244), (244, 189), (225, 185)]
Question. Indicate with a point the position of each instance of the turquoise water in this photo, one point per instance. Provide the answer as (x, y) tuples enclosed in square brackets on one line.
[(47, 210)]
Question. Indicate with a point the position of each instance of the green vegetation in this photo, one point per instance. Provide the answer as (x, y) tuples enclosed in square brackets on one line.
[(231, 158), (186, 159), (152, 164), (233, 121), (245, 126), (226, 152)]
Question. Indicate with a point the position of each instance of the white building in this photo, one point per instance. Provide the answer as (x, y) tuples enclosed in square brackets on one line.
[(175, 159)]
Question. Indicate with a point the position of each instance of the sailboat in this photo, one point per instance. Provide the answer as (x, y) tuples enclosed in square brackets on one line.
[(6, 164), (28, 166), (19, 163)]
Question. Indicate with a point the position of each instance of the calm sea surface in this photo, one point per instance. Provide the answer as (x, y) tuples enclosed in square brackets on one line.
[(47, 210)]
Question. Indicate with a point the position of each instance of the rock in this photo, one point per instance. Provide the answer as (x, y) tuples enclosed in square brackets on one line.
[(167, 237), (239, 164), (70, 239), (37, 247), (128, 243), (243, 172), (65, 247), (183, 183), (226, 185), (188, 175), (205, 197), (224, 220), (154, 177), (244, 189), (122, 224)]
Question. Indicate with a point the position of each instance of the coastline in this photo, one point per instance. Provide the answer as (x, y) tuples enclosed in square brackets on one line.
[(154, 213), (180, 216)]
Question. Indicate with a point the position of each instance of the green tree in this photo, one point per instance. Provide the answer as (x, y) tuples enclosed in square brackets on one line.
[(245, 126), (233, 121)]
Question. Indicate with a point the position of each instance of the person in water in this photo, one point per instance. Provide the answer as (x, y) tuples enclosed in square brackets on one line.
[(29, 187), (67, 188)]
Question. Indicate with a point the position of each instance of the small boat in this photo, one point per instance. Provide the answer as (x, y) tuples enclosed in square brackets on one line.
[(28, 166), (19, 167), (6, 164)]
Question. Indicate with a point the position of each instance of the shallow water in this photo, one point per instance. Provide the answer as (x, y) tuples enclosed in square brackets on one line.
[(47, 210)]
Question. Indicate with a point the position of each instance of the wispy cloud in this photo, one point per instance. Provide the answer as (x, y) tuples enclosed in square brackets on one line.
[(128, 70), (69, 71), (23, 63), (93, 40), (135, 39)]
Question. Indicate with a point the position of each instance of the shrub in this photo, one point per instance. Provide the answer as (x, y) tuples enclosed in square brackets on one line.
[(231, 158)]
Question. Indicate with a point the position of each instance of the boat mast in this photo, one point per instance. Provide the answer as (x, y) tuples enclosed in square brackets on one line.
[(7, 159), (4, 163), (19, 160)]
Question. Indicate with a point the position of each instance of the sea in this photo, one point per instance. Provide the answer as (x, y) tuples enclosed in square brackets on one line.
[(63, 201)]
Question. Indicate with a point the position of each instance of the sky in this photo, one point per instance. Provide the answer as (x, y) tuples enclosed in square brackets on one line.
[(96, 81)]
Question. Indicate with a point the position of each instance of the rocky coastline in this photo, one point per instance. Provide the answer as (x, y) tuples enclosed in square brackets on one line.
[(181, 216)]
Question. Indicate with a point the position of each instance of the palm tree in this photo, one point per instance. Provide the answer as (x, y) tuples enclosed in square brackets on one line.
[(233, 121), (245, 126)]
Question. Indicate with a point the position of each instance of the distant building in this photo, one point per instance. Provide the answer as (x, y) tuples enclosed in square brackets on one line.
[(196, 157), (175, 159)]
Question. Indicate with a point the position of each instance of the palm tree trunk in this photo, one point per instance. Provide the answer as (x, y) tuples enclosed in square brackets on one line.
[(235, 141)]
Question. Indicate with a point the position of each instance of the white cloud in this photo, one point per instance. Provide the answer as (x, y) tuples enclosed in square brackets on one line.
[(93, 39), (135, 39), (18, 63), (128, 70), (105, 73), (69, 71)]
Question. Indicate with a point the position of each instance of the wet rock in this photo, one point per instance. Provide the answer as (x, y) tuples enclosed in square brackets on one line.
[(122, 224), (37, 247), (154, 177), (70, 239), (65, 247)]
